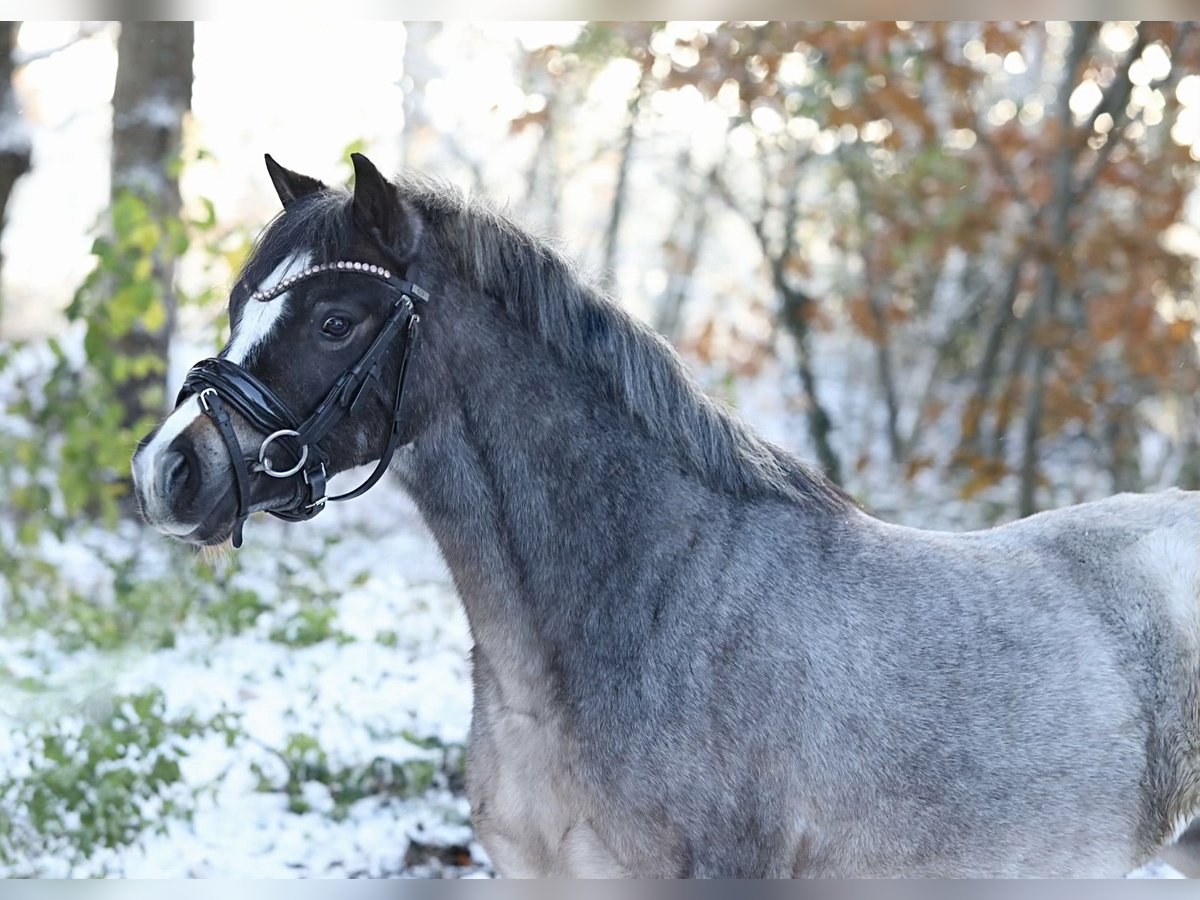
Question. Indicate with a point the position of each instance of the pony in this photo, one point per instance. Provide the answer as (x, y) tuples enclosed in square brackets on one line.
[(693, 655)]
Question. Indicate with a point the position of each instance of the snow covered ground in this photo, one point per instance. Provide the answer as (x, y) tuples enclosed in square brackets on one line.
[(344, 664)]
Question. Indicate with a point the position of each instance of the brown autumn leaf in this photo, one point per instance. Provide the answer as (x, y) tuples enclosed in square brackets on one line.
[(985, 472), (1181, 331), (702, 345), (861, 314), (917, 464), (971, 418), (1002, 38), (525, 120)]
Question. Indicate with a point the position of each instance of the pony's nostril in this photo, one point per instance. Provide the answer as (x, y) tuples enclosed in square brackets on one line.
[(173, 472)]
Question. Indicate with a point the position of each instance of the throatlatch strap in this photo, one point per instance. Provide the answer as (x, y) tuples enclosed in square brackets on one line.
[(210, 402)]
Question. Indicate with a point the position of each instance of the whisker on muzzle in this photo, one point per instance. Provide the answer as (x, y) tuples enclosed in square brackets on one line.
[(215, 553)]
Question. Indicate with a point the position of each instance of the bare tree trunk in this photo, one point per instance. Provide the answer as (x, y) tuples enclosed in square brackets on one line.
[(686, 242), (797, 314), (1011, 395), (612, 231), (15, 148), (884, 368), (1046, 303), (989, 361), (153, 92), (883, 365), (542, 183), (796, 304), (943, 351), (1121, 437)]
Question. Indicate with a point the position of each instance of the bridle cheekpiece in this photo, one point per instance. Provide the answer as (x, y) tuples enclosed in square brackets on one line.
[(219, 383)]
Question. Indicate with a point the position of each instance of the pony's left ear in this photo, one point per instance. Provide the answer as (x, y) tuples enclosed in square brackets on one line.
[(289, 185), (380, 211)]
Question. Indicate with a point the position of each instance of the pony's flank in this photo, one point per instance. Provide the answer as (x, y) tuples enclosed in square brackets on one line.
[(545, 293)]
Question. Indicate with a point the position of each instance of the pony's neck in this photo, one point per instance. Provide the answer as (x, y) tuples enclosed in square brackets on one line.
[(541, 490)]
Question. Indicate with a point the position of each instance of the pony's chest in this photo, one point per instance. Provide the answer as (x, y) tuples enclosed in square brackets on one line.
[(529, 810)]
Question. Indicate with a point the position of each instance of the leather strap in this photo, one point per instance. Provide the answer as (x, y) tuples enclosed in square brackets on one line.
[(214, 407), (410, 341)]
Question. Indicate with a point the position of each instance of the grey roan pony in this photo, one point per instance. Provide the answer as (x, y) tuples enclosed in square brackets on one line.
[(693, 655)]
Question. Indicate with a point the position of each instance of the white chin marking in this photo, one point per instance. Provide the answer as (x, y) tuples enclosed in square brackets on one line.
[(258, 318)]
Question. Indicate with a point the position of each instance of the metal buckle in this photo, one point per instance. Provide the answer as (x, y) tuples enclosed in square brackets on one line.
[(266, 463), (204, 393), (316, 504)]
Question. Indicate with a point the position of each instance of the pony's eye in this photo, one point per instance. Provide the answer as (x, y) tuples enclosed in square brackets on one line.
[(336, 327)]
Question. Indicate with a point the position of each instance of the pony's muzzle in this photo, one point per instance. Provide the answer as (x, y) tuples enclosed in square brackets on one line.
[(180, 477)]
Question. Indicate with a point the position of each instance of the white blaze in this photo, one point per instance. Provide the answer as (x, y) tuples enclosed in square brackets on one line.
[(258, 319)]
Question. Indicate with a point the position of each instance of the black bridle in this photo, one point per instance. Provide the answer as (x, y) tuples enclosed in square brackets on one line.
[(218, 382)]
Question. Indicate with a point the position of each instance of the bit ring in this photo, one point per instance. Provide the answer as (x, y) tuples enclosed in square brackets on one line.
[(266, 463)]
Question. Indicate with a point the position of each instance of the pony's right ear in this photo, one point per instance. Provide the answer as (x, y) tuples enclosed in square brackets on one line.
[(289, 185), (381, 213)]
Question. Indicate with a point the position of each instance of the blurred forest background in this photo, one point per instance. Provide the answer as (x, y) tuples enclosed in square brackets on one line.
[(953, 263)]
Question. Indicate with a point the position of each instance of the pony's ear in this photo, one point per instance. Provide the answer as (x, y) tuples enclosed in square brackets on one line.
[(289, 185), (380, 211)]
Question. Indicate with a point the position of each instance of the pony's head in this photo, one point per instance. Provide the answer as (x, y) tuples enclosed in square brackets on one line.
[(312, 378)]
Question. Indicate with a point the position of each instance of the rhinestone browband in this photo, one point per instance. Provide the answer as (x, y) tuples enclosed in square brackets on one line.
[(342, 265)]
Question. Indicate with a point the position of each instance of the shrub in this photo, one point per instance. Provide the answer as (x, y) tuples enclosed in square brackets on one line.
[(101, 783)]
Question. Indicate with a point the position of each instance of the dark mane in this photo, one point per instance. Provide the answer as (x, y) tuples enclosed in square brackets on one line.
[(546, 293)]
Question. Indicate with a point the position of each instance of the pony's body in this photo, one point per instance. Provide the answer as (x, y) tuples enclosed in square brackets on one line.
[(694, 656), (887, 717), (699, 682)]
